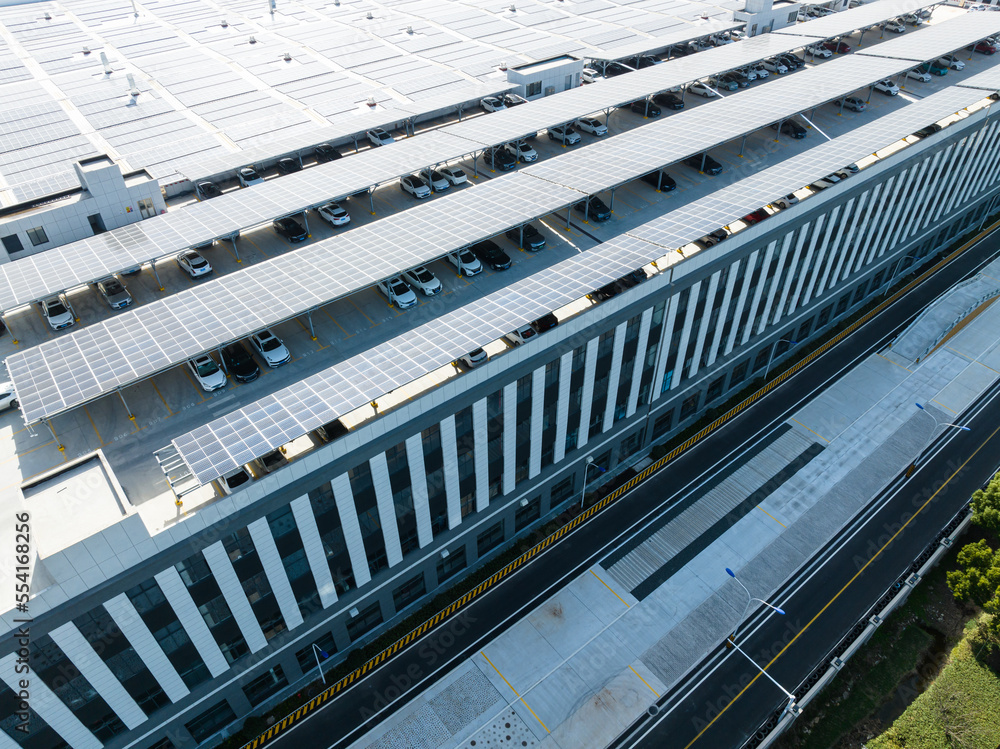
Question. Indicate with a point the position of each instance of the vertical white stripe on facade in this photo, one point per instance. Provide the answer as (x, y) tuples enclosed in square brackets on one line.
[(887, 222), (968, 151), (6, 742), (418, 486), (685, 335), (587, 396), (971, 162), (639, 362), (270, 559), (312, 544), (975, 179), (124, 614), (855, 210), (741, 302), (481, 455), (48, 706), (818, 265), (761, 283), (562, 407), (927, 167), (379, 467), (509, 436), (452, 489), (772, 292), (935, 181), (537, 407), (803, 271), (663, 351), (343, 495), (858, 249), (793, 271), (72, 642), (836, 251), (176, 593), (727, 299), (229, 583), (706, 316), (942, 188), (614, 376)]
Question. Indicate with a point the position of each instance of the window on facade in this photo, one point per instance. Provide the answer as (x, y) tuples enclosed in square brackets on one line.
[(528, 514), (12, 243), (328, 523), (792, 17), (804, 330), (211, 721), (842, 304), (306, 657), (364, 622), (739, 373), (398, 466), (662, 424), (437, 496), (41, 735), (549, 411), (563, 490), (371, 523), (522, 439), (689, 406), (629, 445), (762, 358), (408, 592), (824, 316), (212, 606), (146, 209), (494, 436), (715, 389), (268, 683), (293, 559), (163, 743), (239, 545), (37, 236), (569, 81), (533, 89), (465, 442), (489, 539), (451, 565), (859, 293)]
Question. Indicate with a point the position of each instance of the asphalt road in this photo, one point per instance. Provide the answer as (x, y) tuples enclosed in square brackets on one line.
[(346, 717)]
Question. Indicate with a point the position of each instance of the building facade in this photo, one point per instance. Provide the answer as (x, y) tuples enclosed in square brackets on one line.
[(175, 651)]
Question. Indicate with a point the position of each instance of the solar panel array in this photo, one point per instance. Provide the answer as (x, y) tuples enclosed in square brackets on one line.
[(988, 79), (221, 445), (847, 21), (939, 39), (128, 348)]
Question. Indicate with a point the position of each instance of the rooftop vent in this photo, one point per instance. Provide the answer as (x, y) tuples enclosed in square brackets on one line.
[(107, 65), (369, 16), (371, 101), (287, 57), (132, 88), (409, 29), (225, 23), (503, 65), (86, 50), (253, 40), (512, 9), (48, 16)]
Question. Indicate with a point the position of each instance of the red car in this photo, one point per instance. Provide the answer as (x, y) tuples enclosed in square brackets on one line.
[(838, 48), (986, 48), (756, 217)]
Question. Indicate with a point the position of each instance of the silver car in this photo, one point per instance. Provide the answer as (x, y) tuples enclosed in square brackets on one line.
[(114, 293)]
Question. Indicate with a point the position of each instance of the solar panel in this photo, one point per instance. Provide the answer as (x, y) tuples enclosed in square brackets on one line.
[(940, 39), (221, 445), (988, 79), (847, 21)]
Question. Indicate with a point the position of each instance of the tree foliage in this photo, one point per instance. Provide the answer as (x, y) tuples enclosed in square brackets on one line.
[(986, 506)]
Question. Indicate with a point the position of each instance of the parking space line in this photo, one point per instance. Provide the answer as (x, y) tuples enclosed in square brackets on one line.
[(256, 248), (165, 404), (346, 334), (99, 437), (351, 300), (194, 385)]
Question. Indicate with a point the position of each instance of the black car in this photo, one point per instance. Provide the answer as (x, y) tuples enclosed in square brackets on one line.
[(239, 363), (660, 180), (734, 76), (325, 152), (208, 190), (594, 209), (513, 100), (490, 254), (545, 322), (499, 158), (332, 430), (929, 130), (605, 292), (792, 62), (668, 101), (289, 165), (533, 239), (681, 50), (616, 68), (645, 108), (290, 229), (711, 166), (791, 127), (647, 61)]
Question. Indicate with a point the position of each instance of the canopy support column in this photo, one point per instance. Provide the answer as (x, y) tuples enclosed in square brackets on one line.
[(520, 242), (743, 145), (5, 322), (236, 251), (312, 330), (371, 200), (612, 206), (128, 410), (305, 222), (60, 445), (157, 275)]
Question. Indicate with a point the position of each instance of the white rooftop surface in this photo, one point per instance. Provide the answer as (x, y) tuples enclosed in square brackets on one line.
[(582, 666), (170, 404), (848, 21)]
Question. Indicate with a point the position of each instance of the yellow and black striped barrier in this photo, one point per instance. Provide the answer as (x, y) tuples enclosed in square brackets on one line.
[(587, 514)]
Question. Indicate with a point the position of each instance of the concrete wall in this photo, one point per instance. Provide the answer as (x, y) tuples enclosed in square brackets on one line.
[(764, 21), (557, 75)]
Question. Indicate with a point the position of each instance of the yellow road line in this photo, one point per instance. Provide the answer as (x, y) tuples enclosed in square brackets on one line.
[(515, 692), (812, 430), (944, 406), (892, 362), (771, 516), (644, 681), (609, 588), (846, 586)]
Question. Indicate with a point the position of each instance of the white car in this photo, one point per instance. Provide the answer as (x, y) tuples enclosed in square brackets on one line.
[(379, 137), (702, 90), (914, 20), (466, 264), (271, 349), (249, 177), (824, 182), (114, 293), (895, 26), (436, 180), (192, 263), (397, 292), (786, 201), (522, 335), (234, 480), (591, 125), (950, 61), (207, 373), (8, 398), (775, 66), (493, 104), (719, 40), (334, 214), (414, 185), (887, 87), (817, 50), (919, 75), (760, 70), (423, 279), (589, 75), (454, 175), (474, 358), (57, 312), (565, 134), (523, 152)]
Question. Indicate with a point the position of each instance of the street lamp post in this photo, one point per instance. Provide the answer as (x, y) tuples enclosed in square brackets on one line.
[(771, 357), (938, 425), (586, 473), (896, 271), (318, 652)]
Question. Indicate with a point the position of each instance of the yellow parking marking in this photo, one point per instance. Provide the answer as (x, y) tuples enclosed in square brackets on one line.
[(165, 404), (644, 681), (944, 406), (194, 384), (892, 362), (99, 438), (362, 311), (346, 334), (256, 247), (609, 588), (812, 430), (515, 692), (771, 516)]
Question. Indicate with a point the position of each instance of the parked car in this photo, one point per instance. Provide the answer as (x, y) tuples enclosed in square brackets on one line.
[(713, 237), (887, 87), (792, 128), (853, 103), (522, 152), (565, 134), (545, 322), (235, 479), (239, 363), (454, 175), (270, 348), (645, 107), (773, 65), (492, 104), (792, 61), (8, 398), (646, 61), (270, 462), (192, 263), (824, 182), (918, 75), (533, 239), (207, 190), (414, 185), (592, 125), (57, 312), (438, 182), (207, 373), (500, 158), (290, 229), (985, 48), (914, 20), (701, 89), (721, 83), (522, 335), (114, 293), (289, 165), (735, 76), (594, 209), (589, 75), (895, 26), (617, 68), (952, 62), (423, 279), (668, 101), (755, 217), (474, 358), (934, 68), (466, 264), (491, 254), (379, 137), (927, 131), (709, 165), (249, 177), (838, 48), (513, 100), (757, 69), (331, 430), (334, 214), (660, 180), (325, 152), (786, 201), (818, 50), (397, 292)]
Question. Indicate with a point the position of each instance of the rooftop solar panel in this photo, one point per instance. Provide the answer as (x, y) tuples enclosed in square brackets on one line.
[(844, 22), (939, 39)]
